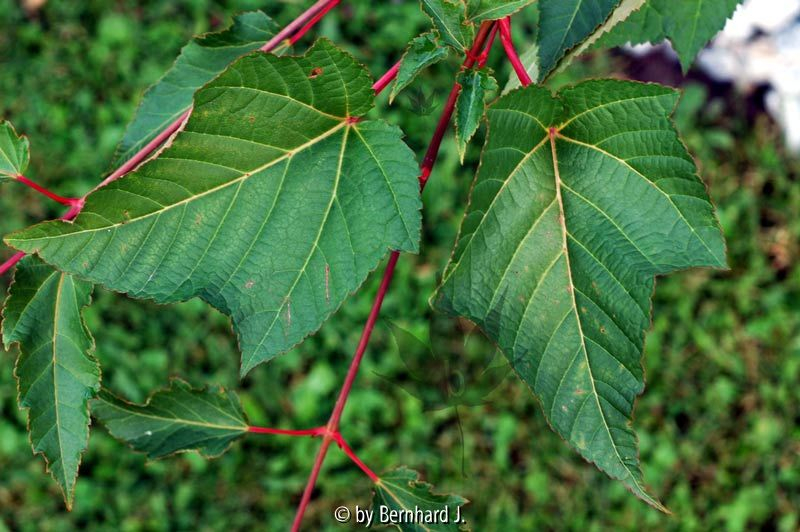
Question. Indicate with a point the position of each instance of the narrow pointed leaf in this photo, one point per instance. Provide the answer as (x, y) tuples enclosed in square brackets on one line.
[(401, 491), (422, 52), (579, 202), (174, 420), (199, 62), (688, 24), (56, 372), (622, 12), (14, 152), (450, 19), (471, 104), (564, 24), (480, 10), (272, 205)]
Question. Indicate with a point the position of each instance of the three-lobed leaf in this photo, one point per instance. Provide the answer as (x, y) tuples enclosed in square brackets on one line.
[(273, 204), (401, 491), (476, 84), (177, 419), (580, 200), (56, 372), (422, 52), (14, 152), (688, 24), (199, 62)]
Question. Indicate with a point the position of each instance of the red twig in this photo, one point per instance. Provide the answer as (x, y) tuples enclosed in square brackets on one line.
[(486, 49), (10, 263), (349, 452), (41, 190), (318, 431), (426, 167), (289, 30), (387, 78), (311, 23), (511, 52)]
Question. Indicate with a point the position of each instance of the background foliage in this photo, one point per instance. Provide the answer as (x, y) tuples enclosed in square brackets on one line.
[(719, 420)]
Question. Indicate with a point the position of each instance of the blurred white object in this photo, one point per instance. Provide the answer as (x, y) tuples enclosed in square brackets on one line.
[(761, 45)]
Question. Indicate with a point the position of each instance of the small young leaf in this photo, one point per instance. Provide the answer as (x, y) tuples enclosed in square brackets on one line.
[(400, 490), (177, 419), (450, 19), (688, 24), (579, 202), (480, 10), (14, 152), (56, 372), (272, 205), (471, 104), (422, 52), (200, 61), (563, 24)]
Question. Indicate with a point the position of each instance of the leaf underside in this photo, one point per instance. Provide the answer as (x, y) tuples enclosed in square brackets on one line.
[(564, 24), (272, 205), (14, 152), (422, 52), (174, 420), (199, 62), (56, 372), (401, 489), (579, 202), (688, 24)]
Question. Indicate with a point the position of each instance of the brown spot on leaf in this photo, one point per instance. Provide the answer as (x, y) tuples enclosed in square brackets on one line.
[(249, 284), (198, 219), (316, 71)]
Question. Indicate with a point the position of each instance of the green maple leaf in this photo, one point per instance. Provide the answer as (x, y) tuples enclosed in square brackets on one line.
[(581, 199), (273, 204)]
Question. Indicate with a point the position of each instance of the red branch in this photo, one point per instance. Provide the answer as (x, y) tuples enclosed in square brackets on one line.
[(10, 263), (332, 433), (511, 52), (311, 23), (304, 22), (318, 431), (387, 78), (41, 190)]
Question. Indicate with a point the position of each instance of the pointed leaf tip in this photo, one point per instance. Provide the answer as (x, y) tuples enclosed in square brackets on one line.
[(56, 372), (14, 152)]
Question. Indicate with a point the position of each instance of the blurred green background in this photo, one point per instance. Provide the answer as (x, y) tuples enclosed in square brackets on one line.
[(719, 422)]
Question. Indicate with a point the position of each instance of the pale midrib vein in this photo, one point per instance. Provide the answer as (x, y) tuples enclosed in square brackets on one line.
[(578, 317), (646, 180), (567, 29), (302, 270), (212, 190), (399, 502), (177, 421), (57, 304)]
